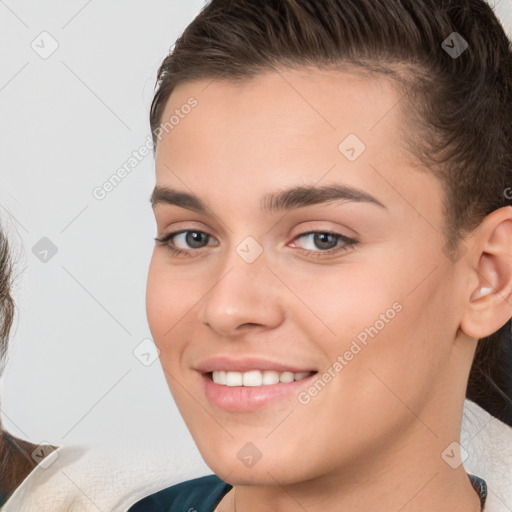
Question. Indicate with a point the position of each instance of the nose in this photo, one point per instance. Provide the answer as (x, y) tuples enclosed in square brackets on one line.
[(244, 296)]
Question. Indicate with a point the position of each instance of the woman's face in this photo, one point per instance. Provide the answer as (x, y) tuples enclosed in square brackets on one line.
[(351, 298)]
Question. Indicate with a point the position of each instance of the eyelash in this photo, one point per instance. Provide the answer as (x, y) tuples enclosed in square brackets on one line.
[(348, 243)]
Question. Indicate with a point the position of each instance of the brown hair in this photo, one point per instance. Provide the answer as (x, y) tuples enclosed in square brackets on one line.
[(6, 301), (15, 460), (460, 106)]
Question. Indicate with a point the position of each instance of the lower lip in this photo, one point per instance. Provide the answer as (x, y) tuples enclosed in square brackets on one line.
[(249, 398)]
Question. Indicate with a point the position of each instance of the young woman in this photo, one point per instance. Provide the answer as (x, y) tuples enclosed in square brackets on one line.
[(332, 275)]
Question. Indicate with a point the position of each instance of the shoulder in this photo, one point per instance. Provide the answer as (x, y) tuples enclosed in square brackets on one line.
[(36, 490), (200, 494), (92, 477)]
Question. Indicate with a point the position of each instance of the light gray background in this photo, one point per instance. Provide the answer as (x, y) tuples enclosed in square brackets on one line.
[(67, 123)]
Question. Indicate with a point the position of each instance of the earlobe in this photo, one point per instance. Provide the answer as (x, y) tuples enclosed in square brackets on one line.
[(489, 306)]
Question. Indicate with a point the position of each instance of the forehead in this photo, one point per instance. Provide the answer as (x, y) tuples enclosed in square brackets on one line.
[(301, 126), (285, 111)]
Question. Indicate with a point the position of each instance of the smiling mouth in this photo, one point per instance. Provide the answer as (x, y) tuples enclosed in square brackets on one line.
[(255, 378)]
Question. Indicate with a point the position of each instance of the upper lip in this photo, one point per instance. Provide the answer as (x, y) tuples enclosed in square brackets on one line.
[(226, 363)]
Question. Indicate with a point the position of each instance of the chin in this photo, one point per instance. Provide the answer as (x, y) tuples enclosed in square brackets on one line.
[(247, 466), (260, 474)]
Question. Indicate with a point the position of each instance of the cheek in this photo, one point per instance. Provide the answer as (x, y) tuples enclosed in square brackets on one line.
[(157, 297), (375, 318), (168, 298), (345, 302)]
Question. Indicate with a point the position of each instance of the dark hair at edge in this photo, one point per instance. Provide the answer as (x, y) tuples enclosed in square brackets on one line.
[(457, 111), (15, 460), (6, 301)]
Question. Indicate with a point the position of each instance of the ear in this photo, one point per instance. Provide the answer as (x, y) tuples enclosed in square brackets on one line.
[(489, 294)]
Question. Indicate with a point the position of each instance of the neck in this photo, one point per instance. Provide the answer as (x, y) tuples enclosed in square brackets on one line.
[(416, 497), (404, 477)]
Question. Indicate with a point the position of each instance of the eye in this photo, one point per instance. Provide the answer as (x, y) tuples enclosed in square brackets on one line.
[(193, 238), (328, 242)]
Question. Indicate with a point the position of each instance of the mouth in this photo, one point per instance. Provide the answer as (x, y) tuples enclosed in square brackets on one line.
[(253, 389), (256, 378), (251, 383)]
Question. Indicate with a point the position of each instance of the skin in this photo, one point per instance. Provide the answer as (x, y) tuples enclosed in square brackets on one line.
[(372, 439)]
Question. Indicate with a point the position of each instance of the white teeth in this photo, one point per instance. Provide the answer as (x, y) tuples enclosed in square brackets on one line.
[(256, 377), (233, 379), (286, 377), (252, 378), (270, 377), (221, 378)]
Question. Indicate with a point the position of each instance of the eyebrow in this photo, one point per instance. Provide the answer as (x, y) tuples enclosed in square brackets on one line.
[(296, 197)]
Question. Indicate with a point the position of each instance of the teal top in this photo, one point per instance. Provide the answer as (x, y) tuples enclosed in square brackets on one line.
[(205, 493), (198, 495)]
